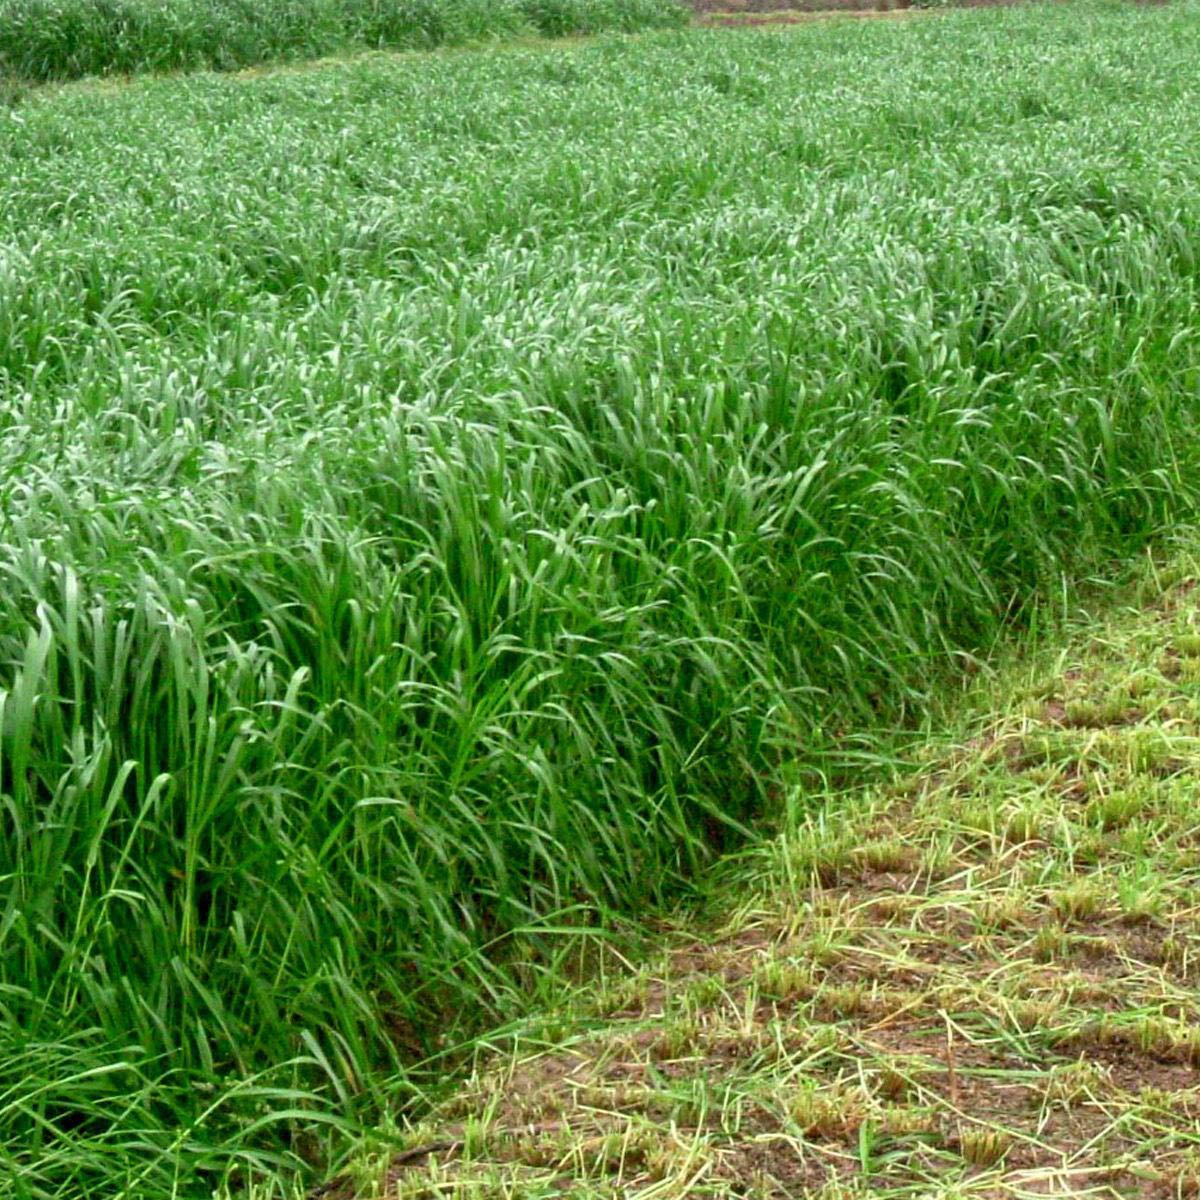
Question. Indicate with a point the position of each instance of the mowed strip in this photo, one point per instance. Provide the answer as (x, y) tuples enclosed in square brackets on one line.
[(980, 979)]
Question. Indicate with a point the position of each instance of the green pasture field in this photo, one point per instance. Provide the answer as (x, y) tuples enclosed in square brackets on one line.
[(448, 499)]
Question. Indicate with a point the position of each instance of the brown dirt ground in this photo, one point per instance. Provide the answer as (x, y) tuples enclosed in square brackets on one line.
[(741, 13), (722, 10)]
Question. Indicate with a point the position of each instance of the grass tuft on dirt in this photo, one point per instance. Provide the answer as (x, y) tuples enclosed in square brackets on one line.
[(978, 979)]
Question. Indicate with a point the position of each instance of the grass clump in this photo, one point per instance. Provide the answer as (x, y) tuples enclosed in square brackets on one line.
[(437, 503)]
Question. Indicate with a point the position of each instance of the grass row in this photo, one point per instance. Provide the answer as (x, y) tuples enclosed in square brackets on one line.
[(438, 496), (43, 40)]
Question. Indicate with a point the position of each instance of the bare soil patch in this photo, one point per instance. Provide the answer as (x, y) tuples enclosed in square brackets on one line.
[(743, 11)]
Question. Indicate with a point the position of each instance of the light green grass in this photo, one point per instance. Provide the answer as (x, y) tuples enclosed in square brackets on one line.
[(976, 980), (442, 499)]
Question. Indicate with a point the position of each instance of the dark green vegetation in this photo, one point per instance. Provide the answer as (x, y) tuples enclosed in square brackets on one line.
[(67, 39), (439, 494)]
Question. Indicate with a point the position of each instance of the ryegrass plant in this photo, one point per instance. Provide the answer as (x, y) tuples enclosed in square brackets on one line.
[(439, 494)]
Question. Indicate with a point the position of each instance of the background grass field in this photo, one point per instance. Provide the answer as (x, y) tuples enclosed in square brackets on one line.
[(443, 496), (67, 39)]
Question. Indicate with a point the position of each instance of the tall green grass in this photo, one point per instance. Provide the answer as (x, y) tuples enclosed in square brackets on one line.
[(65, 39), (437, 497)]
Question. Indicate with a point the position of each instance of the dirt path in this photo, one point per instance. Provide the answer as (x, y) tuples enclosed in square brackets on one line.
[(744, 13), (791, 16), (764, 12)]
